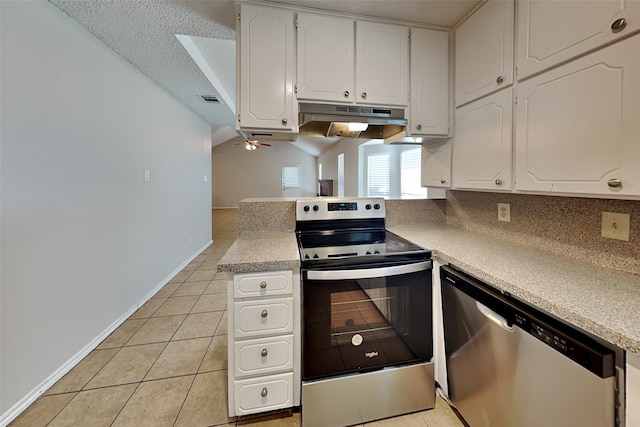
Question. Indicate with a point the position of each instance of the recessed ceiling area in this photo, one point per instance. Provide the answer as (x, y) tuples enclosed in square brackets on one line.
[(188, 46)]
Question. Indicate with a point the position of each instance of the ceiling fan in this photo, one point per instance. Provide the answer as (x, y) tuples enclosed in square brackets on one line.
[(252, 144)]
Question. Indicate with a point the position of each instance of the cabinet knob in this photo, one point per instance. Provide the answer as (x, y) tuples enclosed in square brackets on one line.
[(614, 183), (500, 79), (498, 181), (618, 25), (419, 127), (264, 314), (264, 352), (364, 95), (263, 285), (264, 392), (443, 181), (284, 122), (346, 93)]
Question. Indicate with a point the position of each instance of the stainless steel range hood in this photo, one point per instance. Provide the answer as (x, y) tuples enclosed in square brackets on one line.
[(326, 120)]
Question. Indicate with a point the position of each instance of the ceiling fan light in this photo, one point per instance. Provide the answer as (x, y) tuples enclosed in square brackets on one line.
[(248, 146)]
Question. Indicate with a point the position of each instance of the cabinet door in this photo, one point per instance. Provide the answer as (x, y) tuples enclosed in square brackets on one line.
[(429, 113), (265, 68), (382, 64), (578, 125), (484, 51), (482, 145), (436, 164), (551, 32), (326, 58)]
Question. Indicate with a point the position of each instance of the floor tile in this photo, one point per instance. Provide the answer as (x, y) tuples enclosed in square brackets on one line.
[(83, 372), (222, 326), (441, 416), (217, 286), (148, 308), (284, 419), (191, 288), (155, 403), (167, 290), (179, 358), (216, 356), (177, 305), (410, 420), (94, 408), (210, 302), (122, 334), (206, 402), (186, 272), (129, 365), (157, 329), (199, 275), (198, 325), (42, 411)]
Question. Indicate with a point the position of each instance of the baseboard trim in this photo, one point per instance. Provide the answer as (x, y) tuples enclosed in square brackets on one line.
[(32, 396)]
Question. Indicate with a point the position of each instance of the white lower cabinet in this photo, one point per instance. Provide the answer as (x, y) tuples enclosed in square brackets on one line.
[(578, 125), (263, 341)]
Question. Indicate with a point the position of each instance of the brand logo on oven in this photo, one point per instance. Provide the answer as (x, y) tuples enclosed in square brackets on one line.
[(371, 354)]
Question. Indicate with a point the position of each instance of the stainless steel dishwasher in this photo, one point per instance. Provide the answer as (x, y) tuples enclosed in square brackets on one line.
[(511, 365)]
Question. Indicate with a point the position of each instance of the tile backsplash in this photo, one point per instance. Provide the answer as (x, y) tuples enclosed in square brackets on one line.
[(566, 225)]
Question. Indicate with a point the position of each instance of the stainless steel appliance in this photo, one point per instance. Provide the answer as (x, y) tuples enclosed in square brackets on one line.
[(509, 364), (367, 345)]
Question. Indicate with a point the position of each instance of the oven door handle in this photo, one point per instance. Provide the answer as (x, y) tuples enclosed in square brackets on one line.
[(368, 273)]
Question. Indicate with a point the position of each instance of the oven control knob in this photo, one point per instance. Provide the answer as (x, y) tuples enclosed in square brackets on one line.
[(376, 206), (368, 207), (315, 256), (376, 252), (306, 256), (368, 253), (316, 208), (306, 208)]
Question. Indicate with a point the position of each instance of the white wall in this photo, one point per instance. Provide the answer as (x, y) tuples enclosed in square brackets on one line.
[(83, 238), (239, 174), (329, 160)]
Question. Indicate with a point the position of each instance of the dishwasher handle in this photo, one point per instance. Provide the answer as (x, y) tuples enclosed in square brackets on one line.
[(369, 273), (494, 317)]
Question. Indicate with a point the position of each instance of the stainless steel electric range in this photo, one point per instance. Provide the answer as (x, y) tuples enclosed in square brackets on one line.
[(367, 321)]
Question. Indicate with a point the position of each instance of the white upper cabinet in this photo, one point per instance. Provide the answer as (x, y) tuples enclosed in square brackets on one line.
[(266, 69), (382, 64), (551, 32), (326, 58), (429, 112), (436, 164), (482, 145), (484, 51), (578, 125)]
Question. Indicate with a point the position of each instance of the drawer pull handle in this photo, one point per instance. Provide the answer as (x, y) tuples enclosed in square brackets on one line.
[(498, 181), (614, 183), (284, 122), (264, 392), (618, 25), (419, 127), (500, 79), (263, 285), (264, 352), (364, 95), (346, 93), (264, 314), (443, 181)]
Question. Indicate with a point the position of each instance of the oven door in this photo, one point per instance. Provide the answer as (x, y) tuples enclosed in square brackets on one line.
[(358, 320)]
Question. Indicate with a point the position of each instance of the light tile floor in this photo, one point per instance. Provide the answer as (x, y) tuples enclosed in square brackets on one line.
[(166, 365)]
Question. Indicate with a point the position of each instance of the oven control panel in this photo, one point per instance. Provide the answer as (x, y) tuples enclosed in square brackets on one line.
[(325, 208)]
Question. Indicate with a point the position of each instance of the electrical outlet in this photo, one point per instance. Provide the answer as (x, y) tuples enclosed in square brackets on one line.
[(504, 212), (615, 225)]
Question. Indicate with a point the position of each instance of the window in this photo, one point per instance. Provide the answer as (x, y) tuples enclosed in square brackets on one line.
[(410, 178), (341, 175), (378, 175)]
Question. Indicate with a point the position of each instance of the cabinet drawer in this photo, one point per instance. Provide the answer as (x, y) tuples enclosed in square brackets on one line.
[(264, 394), (255, 318), (262, 284), (263, 356)]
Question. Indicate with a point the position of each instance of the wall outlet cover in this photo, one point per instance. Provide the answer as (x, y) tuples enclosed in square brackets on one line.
[(504, 212), (616, 225)]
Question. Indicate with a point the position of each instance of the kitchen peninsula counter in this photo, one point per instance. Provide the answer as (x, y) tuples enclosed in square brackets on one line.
[(261, 251), (602, 301)]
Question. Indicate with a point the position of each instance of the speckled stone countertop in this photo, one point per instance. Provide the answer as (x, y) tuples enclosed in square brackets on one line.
[(262, 250), (602, 301)]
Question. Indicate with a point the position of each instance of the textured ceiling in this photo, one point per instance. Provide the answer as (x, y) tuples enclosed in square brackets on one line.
[(145, 33)]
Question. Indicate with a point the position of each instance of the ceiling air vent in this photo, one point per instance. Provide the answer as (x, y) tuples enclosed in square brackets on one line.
[(209, 99)]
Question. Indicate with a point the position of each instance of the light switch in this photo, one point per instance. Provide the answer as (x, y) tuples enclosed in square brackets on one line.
[(206, 178), (616, 225), (147, 175)]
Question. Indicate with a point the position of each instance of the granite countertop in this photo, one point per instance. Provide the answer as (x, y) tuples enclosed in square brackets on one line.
[(262, 250), (602, 301), (599, 300)]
